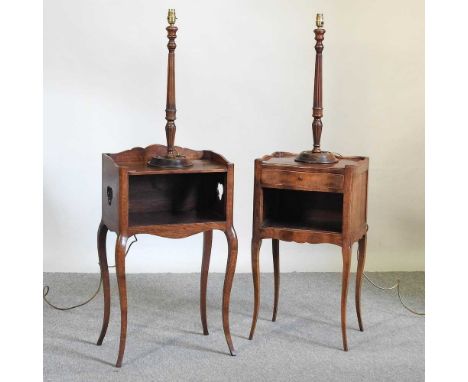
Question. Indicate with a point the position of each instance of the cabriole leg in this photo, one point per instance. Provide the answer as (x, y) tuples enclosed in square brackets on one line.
[(229, 277), (276, 267), (102, 253), (120, 246), (346, 252), (359, 273), (256, 243), (207, 241)]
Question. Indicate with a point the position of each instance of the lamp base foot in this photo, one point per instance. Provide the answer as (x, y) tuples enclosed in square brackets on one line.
[(322, 157), (167, 162)]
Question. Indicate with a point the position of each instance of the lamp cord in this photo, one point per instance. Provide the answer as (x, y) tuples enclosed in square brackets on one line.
[(397, 285), (45, 290)]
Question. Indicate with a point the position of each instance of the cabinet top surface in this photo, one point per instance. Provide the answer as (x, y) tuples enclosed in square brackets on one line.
[(286, 160), (135, 161), (198, 166)]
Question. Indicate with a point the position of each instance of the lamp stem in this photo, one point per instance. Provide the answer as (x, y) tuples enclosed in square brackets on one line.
[(170, 100), (316, 155), (317, 108), (172, 159)]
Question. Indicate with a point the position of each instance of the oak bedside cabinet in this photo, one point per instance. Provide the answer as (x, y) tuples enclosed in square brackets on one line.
[(310, 203), (171, 203)]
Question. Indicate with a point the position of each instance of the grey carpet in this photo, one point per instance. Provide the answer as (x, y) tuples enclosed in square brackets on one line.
[(165, 341)]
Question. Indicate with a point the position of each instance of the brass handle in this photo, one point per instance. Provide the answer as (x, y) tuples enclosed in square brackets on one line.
[(109, 195)]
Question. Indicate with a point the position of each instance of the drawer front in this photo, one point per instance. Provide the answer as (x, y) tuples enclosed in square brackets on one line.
[(302, 180)]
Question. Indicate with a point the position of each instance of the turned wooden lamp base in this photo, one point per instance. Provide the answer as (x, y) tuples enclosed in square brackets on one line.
[(321, 157), (168, 162)]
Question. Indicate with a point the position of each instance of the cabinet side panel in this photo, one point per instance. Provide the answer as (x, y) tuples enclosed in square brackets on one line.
[(358, 205), (229, 209), (257, 200), (110, 193)]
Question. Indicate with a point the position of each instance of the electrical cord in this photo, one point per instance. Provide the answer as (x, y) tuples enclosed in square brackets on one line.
[(45, 290), (397, 285)]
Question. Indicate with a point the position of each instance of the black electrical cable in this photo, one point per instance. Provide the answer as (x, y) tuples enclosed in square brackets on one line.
[(397, 285), (45, 290)]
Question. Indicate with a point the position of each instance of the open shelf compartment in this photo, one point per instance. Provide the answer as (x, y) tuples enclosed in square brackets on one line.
[(311, 210), (176, 198)]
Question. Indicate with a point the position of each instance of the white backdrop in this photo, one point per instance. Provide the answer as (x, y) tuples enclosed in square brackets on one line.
[(244, 77)]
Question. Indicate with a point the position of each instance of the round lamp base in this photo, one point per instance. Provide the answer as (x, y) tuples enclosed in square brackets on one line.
[(166, 162), (323, 157)]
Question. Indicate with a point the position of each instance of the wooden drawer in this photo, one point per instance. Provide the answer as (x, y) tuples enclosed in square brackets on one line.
[(313, 181)]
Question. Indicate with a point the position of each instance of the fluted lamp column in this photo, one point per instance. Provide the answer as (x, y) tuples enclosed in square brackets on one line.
[(172, 159), (316, 155)]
